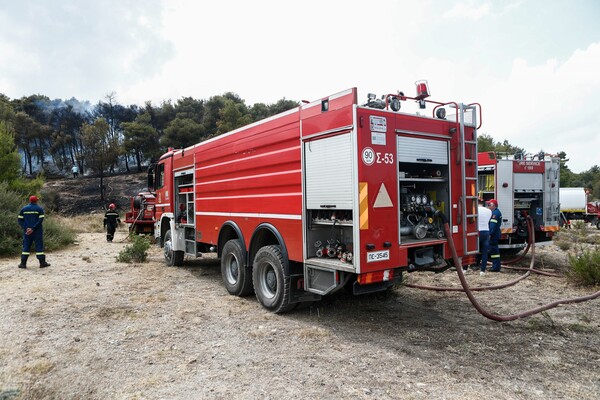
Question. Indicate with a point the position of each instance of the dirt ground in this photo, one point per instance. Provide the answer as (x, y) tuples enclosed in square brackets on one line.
[(91, 328)]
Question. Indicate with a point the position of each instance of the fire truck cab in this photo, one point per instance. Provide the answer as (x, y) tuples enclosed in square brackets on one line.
[(330, 194)]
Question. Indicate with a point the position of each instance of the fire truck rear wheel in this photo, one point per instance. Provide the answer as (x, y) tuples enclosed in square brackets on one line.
[(271, 285), (236, 277), (173, 258)]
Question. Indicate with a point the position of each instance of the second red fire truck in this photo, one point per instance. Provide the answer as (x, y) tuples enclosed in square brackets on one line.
[(327, 195)]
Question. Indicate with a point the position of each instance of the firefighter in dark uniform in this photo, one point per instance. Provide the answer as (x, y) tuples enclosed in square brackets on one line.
[(31, 218), (495, 223), (111, 219)]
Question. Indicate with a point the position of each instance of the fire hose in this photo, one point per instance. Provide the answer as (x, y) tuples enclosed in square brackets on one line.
[(132, 226), (469, 291), (530, 244)]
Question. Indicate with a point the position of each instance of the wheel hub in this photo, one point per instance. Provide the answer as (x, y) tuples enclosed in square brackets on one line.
[(233, 270), (271, 280)]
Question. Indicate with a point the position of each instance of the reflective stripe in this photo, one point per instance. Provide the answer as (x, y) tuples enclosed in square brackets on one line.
[(20, 216), (363, 205), (25, 254), (495, 256), (31, 212), (494, 221)]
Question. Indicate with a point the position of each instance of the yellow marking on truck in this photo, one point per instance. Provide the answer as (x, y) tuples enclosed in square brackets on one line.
[(364, 205), (550, 229)]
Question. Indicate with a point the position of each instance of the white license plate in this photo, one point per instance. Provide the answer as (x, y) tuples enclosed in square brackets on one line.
[(378, 256)]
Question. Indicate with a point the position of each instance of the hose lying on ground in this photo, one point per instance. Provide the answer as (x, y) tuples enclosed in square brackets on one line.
[(501, 318)]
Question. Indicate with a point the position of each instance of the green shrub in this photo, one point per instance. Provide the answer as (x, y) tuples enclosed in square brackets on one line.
[(51, 199), (27, 186), (563, 245), (585, 267), (136, 252), (579, 228), (11, 234), (56, 234)]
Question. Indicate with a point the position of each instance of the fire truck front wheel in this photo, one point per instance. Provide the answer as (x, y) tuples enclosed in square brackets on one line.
[(237, 278), (271, 285), (173, 258)]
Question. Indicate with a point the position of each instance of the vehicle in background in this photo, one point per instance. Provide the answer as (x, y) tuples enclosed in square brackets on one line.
[(140, 218), (524, 186), (574, 205)]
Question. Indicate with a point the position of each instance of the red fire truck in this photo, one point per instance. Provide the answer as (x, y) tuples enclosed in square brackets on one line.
[(524, 186), (330, 194), (140, 218)]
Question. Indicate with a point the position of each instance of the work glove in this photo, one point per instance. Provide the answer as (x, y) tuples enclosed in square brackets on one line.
[(28, 231)]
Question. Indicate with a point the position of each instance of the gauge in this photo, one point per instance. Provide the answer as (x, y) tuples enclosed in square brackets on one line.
[(413, 198), (418, 199), (425, 201)]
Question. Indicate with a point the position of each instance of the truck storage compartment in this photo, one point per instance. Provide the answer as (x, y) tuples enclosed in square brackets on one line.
[(329, 201), (423, 188)]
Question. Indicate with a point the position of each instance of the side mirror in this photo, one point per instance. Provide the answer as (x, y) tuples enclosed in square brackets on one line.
[(151, 178)]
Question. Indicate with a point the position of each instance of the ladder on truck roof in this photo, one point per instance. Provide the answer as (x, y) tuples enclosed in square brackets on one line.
[(468, 166)]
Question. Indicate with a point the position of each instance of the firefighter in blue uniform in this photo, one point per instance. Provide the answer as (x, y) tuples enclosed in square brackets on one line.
[(31, 218), (495, 223)]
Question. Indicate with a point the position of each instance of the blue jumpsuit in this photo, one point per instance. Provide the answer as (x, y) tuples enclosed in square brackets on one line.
[(495, 223), (32, 216)]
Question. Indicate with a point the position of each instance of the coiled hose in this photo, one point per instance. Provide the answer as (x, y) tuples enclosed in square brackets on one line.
[(469, 291)]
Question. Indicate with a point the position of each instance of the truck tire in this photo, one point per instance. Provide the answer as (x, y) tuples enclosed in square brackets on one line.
[(173, 258), (236, 277), (271, 285)]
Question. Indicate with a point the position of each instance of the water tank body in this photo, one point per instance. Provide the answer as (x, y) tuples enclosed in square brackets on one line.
[(572, 199)]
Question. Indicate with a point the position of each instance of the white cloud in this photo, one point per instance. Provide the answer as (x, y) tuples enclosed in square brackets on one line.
[(472, 10), (267, 49), (551, 106)]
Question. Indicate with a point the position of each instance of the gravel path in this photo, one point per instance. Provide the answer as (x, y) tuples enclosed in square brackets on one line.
[(91, 328)]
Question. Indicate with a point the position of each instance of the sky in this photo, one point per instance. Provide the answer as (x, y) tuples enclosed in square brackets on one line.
[(533, 65)]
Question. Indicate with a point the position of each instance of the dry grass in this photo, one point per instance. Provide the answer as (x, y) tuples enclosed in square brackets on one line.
[(40, 367), (314, 333), (82, 223), (116, 312)]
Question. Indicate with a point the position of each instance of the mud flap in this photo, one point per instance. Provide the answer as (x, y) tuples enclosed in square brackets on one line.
[(298, 294)]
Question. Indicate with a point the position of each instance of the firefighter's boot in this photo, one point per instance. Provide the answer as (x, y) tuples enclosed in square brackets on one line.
[(43, 263), (23, 261)]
